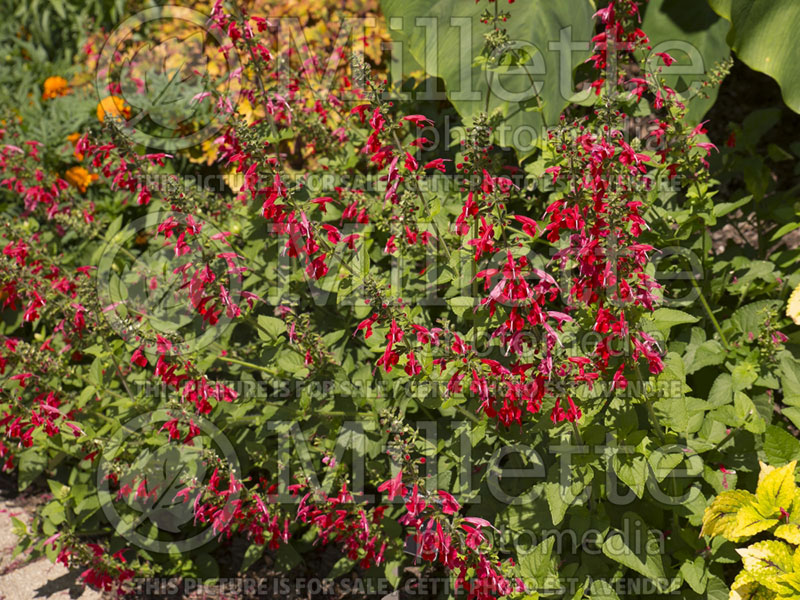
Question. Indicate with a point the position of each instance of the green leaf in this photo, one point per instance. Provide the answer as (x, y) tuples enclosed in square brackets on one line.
[(113, 228), (31, 464), (790, 379), (663, 463), (392, 572), (286, 558), (793, 414), (721, 7), (636, 548), (539, 565), (446, 38), (664, 319), (759, 36), (721, 392), (557, 500), (461, 305), (207, 565), (20, 529), (743, 376), (706, 354), (251, 555), (750, 318), (343, 565), (780, 446), (269, 328), (632, 471), (602, 590), (96, 373), (694, 573), (683, 414), (783, 230), (723, 208), (716, 589)]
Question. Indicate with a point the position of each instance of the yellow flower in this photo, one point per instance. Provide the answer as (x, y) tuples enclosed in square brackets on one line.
[(793, 306), (54, 87), (80, 178), (113, 106)]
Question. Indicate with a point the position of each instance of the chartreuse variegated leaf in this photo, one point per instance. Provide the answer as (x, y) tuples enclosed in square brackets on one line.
[(765, 470), (790, 531), (776, 490), (792, 580), (744, 586), (768, 562), (749, 521), (720, 517), (752, 591)]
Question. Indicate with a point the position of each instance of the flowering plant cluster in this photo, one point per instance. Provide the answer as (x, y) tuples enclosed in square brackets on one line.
[(321, 327)]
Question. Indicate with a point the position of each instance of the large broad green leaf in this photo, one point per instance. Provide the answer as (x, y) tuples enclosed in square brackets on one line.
[(722, 8), (764, 37), (635, 547), (694, 36), (446, 37)]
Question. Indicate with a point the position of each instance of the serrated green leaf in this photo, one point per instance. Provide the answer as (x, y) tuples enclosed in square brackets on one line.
[(269, 328)]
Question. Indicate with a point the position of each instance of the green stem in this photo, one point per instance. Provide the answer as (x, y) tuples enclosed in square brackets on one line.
[(711, 314), (118, 369), (236, 361), (576, 432), (651, 413), (468, 414)]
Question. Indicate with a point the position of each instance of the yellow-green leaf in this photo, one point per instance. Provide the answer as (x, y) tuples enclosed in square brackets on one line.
[(743, 578), (765, 470), (776, 490), (768, 562), (720, 517), (789, 532), (750, 522), (752, 591), (792, 579), (745, 587)]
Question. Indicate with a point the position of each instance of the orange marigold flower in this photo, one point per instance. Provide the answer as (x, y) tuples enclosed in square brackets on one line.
[(113, 106), (80, 178), (54, 87)]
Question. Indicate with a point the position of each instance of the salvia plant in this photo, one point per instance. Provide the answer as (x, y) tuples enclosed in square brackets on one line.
[(316, 327)]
